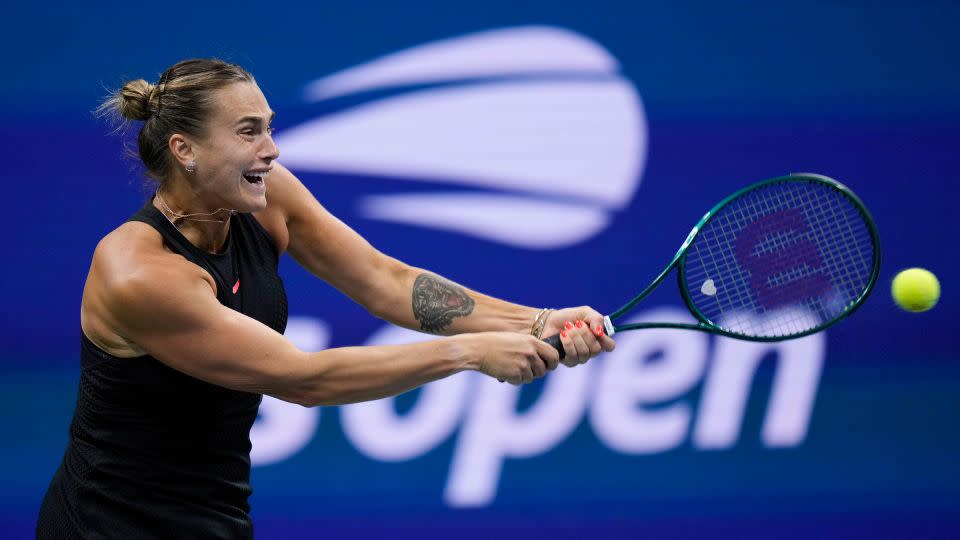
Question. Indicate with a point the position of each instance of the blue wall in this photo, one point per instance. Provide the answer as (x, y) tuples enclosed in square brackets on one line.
[(718, 95)]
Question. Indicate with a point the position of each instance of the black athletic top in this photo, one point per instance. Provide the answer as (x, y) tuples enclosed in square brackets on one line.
[(155, 453)]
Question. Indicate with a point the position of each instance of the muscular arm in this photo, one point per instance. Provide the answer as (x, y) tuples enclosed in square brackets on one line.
[(141, 298), (184, 326), (390, 289)]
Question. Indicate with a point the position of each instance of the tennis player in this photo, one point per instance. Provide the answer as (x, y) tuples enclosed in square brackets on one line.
[(183, 316)]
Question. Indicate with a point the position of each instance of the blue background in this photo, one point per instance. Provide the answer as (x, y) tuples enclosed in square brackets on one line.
[(734, 92)]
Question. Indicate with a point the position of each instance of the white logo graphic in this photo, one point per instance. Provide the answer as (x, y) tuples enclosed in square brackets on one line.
[(539, 115)]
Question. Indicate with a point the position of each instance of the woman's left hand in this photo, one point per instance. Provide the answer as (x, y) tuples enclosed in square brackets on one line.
[(581, 333)]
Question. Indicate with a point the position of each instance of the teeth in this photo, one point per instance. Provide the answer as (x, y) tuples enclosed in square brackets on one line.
[(259, 174)]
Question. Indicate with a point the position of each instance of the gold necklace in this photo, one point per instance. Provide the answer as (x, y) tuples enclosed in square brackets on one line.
[(190, 217)]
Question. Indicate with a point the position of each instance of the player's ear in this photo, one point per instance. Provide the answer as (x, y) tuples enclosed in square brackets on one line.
[(181, 148)]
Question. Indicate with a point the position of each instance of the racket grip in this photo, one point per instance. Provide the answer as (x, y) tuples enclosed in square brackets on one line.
[(554, 341)]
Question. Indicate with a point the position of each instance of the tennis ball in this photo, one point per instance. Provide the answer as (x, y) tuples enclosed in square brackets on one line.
[(915, 289)]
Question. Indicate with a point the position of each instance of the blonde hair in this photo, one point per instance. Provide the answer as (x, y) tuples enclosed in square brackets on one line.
[(180, 102)]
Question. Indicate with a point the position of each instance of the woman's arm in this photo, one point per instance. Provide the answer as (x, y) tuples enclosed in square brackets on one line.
[(402, 294), (167, 307)]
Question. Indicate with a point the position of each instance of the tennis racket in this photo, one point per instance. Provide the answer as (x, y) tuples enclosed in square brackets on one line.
[(781, 259)]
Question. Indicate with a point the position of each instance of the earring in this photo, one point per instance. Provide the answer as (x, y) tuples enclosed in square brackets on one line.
[(191, 167)]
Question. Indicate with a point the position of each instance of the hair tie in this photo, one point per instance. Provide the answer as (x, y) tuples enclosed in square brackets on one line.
[(158, 90)]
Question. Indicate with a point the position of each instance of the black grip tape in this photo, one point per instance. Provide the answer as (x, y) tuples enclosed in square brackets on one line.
[(554, 341)]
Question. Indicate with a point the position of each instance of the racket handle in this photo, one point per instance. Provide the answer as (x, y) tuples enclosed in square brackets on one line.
[(554, 341)]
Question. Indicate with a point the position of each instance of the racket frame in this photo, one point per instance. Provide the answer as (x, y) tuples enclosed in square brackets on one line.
[(704, 324)]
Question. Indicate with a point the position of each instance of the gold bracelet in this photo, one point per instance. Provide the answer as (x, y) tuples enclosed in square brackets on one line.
[(543, 323), (536, 320)]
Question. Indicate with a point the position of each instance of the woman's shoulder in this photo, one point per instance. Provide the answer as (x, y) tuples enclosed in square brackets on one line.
[(136, 252), (133, 246), (131, 264)]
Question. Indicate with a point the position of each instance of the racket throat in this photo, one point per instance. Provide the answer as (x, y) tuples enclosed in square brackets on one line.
[(608, 326)]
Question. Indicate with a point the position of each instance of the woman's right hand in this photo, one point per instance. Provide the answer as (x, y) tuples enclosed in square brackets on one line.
[(509, 356)]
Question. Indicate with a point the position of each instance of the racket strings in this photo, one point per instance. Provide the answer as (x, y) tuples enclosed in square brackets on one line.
[(781, 259)]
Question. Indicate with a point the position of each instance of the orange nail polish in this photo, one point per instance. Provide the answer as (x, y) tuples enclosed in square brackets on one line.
[(568, 325), (579, 323), (598, 330), (563, 333)]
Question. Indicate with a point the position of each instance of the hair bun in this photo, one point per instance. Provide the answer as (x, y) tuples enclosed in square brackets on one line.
[(135, 99)]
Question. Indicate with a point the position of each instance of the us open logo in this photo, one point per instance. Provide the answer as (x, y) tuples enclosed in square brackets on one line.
[(536, 121)]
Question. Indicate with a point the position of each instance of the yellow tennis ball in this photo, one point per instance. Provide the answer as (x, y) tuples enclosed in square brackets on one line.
[(915, 289)]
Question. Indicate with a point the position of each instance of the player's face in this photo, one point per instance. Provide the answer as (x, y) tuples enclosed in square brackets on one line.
[(236, 154)]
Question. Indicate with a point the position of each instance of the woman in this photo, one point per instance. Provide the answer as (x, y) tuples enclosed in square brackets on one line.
[(183, 316)]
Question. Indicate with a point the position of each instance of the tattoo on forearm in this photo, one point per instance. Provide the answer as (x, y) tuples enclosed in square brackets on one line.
[(437, 301)]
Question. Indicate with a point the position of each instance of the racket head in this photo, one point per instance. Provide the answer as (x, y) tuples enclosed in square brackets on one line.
[(780, 259)]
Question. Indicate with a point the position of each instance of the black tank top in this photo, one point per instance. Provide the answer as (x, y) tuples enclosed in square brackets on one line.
[(155, 453)]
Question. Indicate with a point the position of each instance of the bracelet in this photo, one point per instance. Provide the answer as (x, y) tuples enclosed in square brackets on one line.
[(541, 322), (536, 321)]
